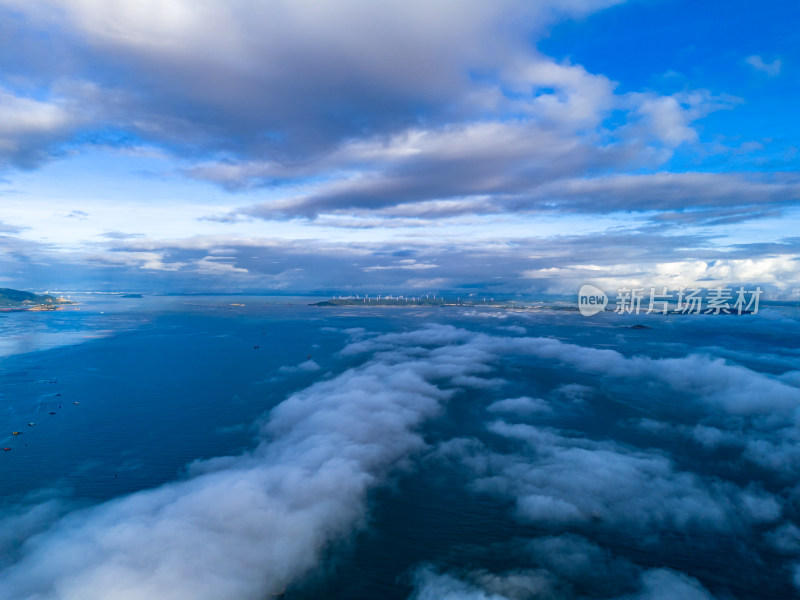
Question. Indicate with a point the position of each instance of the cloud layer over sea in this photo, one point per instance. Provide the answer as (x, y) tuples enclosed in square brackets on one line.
[(627, 468)]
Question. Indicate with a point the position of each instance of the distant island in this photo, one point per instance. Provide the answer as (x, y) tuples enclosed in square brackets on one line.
[(131, 296), (380, 300), (19, 300)]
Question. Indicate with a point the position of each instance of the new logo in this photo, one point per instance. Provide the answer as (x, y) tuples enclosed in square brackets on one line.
[(591, 300)]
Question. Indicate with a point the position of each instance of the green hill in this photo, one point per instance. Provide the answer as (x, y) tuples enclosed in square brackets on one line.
[(17, 298)]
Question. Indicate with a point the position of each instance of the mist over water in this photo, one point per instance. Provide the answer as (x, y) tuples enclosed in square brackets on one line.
[(203, 450)]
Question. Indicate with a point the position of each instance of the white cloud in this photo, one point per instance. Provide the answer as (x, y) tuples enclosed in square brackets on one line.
[(308, 366), (521, 406), (770, 68), (652, 584), (559, 481), (781, 273)]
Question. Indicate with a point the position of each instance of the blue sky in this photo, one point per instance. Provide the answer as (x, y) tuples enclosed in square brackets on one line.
[(669, 46), (520, 147)]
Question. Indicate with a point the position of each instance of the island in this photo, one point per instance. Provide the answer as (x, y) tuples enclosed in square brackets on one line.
[(19, 300), (427, 300)]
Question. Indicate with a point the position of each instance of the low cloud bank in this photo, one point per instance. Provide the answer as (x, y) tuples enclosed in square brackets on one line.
[(247, 526), (653, 584), (629, 497), (557, 480), (244, 527), (562, 567)]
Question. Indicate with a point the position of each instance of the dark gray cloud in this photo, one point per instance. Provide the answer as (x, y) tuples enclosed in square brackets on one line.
[(270, 94), (688, 193), (495, 182), (331, 111), (248, 79)]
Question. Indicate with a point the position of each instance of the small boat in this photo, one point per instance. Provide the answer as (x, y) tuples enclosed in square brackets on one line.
[(76, 403), (31, 424), (6, 449), (15, 433)]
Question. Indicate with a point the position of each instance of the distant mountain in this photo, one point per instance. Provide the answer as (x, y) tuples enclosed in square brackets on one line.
[(18, 299)]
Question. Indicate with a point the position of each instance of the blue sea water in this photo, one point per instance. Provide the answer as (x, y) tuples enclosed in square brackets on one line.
[(124, 395)]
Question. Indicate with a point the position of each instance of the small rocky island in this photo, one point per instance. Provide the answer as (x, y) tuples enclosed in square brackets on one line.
[(19, 300)]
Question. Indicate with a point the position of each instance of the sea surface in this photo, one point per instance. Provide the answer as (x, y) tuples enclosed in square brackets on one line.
[(257, 447)]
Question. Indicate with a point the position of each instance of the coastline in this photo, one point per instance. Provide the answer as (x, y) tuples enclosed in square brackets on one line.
[(37, 307)]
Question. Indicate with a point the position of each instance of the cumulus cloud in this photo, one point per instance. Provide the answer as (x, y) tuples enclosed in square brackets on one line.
[(786, 539), (308, 366), (620, 494), (346, 117), (568, 567), (712, 381), (739, 407), (433, 586), (558, 481), (522, 405), (355, 69)]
